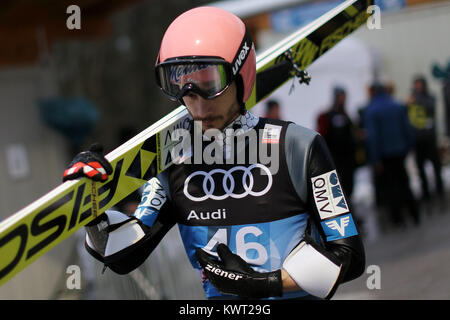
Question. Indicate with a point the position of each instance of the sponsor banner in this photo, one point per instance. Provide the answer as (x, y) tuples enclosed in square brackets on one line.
[(392, 5), (328, 195), (339, 228), (290, 19)]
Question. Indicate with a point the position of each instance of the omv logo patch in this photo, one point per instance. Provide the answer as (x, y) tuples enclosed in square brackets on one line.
[(328, 195), (339, 228)]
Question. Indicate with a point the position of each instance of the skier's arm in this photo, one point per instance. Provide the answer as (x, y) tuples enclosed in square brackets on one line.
[(345, 243), (319, 269), (123, 243)]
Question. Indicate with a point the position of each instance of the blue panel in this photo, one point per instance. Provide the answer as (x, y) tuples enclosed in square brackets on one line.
[(263, 245), (339, 228), (146, 214)]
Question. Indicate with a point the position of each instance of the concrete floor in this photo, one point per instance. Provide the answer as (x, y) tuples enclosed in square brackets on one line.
[(414, 262)]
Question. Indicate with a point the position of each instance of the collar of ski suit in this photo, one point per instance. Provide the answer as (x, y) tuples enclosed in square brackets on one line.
[(239, 126), (243, 123)]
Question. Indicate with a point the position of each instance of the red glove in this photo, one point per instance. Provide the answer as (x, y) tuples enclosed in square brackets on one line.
[(91, 164)]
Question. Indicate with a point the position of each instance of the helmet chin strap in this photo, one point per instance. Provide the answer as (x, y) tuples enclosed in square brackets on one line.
[(242, 109), (240, 94)]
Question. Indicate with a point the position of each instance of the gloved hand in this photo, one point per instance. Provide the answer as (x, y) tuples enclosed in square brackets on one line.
[(232, 275), (91, 164)]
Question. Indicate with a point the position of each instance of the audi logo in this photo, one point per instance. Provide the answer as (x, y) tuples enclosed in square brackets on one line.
[(228, 183)]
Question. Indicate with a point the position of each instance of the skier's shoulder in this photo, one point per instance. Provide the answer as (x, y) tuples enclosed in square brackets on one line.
[(301, 144), (297, 131), (299, 138)]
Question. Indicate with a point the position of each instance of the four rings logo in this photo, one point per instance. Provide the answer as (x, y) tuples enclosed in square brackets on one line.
[(228, 183)]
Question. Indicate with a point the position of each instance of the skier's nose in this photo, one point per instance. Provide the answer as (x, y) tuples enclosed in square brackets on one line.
[(200, 108)]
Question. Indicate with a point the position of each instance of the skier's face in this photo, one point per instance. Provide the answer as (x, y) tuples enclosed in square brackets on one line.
[(214, 113)]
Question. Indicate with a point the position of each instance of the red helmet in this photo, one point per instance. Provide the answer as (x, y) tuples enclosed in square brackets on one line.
[(206, 37)]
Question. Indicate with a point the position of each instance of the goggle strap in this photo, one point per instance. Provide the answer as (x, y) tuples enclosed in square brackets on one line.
[(244, 51)]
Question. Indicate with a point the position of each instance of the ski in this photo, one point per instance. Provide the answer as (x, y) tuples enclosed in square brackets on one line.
[(28, 234)]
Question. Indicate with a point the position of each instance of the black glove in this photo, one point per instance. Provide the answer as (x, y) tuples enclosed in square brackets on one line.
[(91, 164), (232, 275)]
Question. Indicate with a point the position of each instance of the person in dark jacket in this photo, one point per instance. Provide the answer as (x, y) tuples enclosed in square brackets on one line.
[(389, 140), (338, 131), (421, 111)]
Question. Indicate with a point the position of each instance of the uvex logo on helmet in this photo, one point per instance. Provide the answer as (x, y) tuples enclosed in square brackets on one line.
[(241, 58)]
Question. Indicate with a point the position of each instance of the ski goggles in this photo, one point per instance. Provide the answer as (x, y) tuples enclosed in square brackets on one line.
[(208, 77)]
